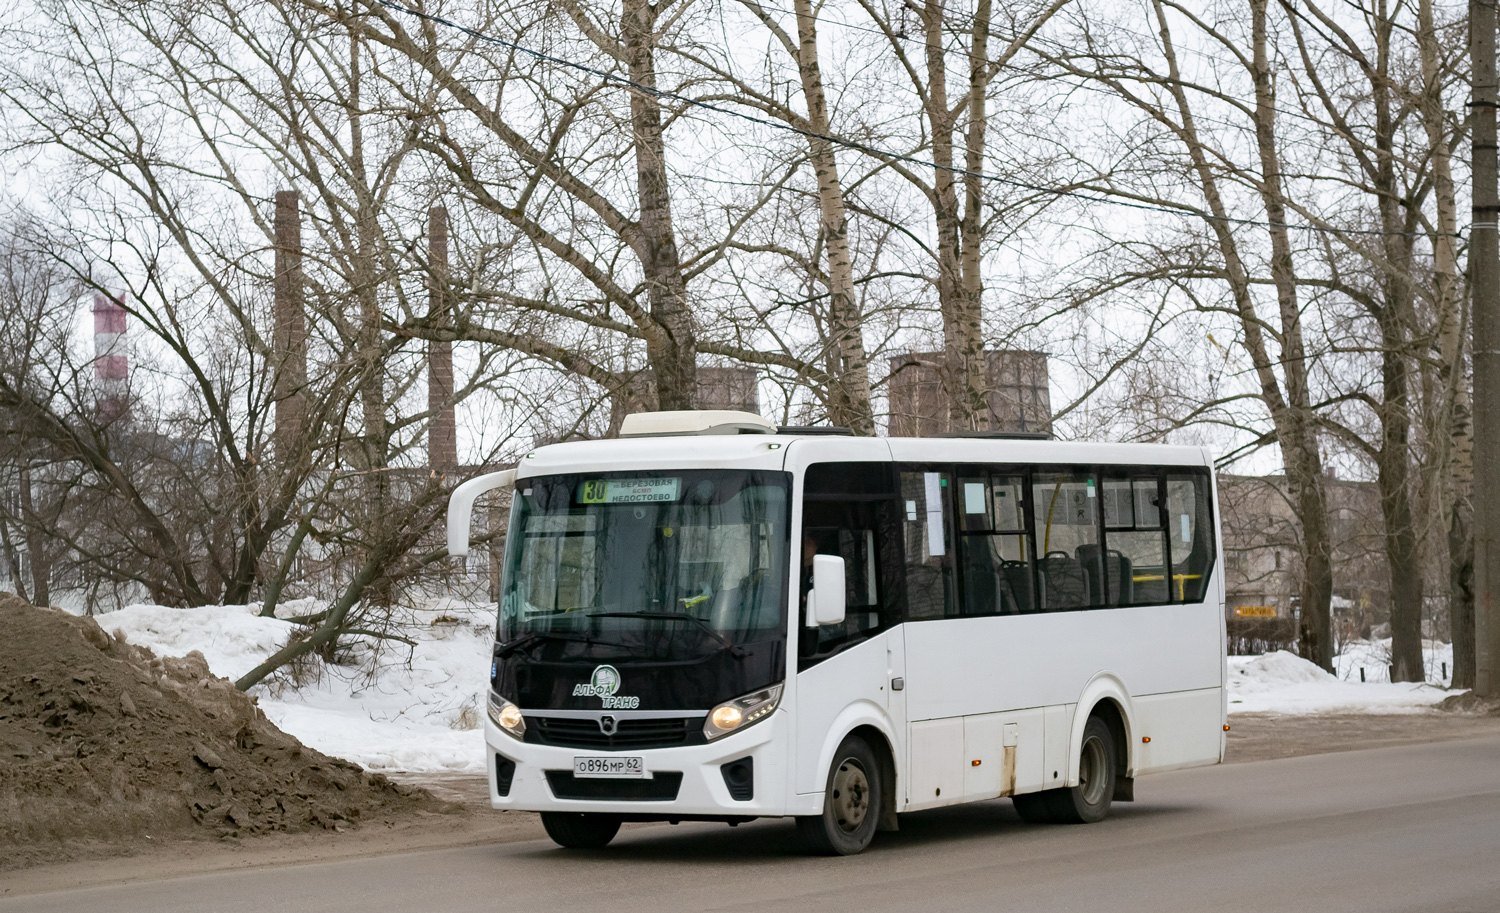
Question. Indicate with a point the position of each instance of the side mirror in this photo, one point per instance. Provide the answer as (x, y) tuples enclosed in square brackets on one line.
[(825, 604), (461, 507)]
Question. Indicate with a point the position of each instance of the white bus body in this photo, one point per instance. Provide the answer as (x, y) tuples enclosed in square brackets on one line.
[(999, 595)]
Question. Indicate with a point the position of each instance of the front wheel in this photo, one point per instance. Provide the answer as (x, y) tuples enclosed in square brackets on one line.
[(851, 803), (581, 830)]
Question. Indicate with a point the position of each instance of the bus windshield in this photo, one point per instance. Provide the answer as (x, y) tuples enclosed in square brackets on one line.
[(689, 561)]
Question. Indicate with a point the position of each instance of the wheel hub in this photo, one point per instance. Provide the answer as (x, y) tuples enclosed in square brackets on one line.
[(851, 796)]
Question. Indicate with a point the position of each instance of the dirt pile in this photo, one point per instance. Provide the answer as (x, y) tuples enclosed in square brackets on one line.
[(104, 744), (1469, 702)]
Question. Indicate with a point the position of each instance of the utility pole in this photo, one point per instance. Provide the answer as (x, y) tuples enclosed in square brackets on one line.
[(1484, 278)]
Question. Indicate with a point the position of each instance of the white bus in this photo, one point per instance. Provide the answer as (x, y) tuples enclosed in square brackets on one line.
[(715, 619)]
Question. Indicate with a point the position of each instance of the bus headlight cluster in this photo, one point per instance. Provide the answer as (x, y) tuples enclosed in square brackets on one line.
[(506, 715), (741, 712)]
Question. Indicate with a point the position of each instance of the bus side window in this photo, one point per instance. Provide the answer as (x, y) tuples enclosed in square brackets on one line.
[(1190, 534), (926, 506), (996, 560), (1135, 540), (1067, 532)]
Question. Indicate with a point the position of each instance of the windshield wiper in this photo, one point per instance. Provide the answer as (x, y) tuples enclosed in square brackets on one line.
[(531, 637), (734, 649)]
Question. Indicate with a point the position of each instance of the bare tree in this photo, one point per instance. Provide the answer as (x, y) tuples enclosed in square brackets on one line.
[(214, 509)]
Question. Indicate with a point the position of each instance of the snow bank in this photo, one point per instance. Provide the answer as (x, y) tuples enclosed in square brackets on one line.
[(399, 745), (233, 639), (409, 708), (1281, 682)]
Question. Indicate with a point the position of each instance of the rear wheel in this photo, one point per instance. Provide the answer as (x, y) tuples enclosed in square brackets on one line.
[(1032, 807), (581, 830), (851, 803), (1089, 800)]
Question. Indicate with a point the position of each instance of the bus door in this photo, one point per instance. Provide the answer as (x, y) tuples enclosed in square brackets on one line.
[(849, 510)]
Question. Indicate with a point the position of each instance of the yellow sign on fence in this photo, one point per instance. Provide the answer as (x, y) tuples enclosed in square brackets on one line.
[(1255, 611)]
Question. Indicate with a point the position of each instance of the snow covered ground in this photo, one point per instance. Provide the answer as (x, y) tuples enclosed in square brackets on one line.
[(1281, 682), (402, 708), (417, 708)]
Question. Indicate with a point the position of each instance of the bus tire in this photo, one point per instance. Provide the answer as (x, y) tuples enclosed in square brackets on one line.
[(852, 801), (581, 830), (1089, 800), (1033, 808)]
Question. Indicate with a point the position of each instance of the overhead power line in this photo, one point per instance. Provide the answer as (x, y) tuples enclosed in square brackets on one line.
[(1098, 197)]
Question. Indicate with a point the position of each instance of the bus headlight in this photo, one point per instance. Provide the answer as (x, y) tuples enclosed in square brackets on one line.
[(741, 712), (506, 715)]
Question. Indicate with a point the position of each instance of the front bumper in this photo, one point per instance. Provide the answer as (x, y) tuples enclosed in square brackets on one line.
[(702, 792)]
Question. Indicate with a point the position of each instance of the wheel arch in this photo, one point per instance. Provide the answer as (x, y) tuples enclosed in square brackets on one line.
[(871, 724), (1105, 696)]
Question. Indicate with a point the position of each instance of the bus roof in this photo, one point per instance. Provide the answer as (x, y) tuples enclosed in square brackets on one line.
[(770, 452)]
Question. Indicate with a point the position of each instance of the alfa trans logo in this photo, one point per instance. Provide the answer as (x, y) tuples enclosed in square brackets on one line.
[(604, 684)]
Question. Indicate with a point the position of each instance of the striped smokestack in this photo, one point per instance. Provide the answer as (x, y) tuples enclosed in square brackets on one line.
[(111, 363)]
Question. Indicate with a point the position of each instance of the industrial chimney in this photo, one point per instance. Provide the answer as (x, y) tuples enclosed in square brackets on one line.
[(111, 363)]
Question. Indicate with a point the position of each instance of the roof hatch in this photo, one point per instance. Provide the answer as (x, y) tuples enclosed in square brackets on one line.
[(694, 421)]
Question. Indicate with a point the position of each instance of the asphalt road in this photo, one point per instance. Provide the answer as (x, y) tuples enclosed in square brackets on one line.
[(1409, 828)]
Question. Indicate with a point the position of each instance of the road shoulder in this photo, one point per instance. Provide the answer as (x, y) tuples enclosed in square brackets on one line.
[(1268, 736)]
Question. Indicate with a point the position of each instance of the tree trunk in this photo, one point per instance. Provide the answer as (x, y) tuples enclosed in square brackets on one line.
[(849, 380), (969, 310), (673, 358), (1304, 472), (1395, 317), (1453, 435), (1403, 553), (940, 121), (36, 544)]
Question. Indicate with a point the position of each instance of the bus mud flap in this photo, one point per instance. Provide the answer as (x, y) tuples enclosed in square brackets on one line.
[(1008, 772)]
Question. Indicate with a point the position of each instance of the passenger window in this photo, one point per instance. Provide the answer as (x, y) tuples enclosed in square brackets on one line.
[(997, 567), (1065, 505), (1135, 556), (926, 506), (1190, 534), (848, 510)]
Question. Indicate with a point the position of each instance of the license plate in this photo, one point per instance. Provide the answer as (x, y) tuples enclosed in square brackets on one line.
[(609, 767)]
